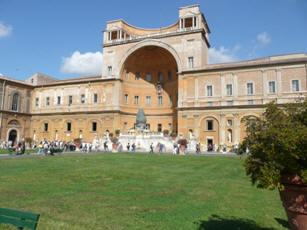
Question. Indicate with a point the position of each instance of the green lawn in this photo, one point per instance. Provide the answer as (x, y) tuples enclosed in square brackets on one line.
[(138, 191), (7, 151)]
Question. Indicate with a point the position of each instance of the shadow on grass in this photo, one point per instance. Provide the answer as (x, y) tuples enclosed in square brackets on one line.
[(283, 223), (230, 223)]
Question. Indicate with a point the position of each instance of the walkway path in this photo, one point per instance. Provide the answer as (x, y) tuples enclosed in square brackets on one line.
[(228, 154)]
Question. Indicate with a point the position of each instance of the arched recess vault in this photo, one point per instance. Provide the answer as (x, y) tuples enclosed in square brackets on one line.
[(145, 68), (151, 42)]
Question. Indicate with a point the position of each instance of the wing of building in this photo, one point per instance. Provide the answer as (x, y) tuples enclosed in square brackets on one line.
[(164, 71)]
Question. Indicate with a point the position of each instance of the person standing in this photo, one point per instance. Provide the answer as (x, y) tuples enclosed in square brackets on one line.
[(151, 148), (128, 147)]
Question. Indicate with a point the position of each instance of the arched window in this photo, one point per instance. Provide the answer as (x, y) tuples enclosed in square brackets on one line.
[(14, 123), (15, 102)]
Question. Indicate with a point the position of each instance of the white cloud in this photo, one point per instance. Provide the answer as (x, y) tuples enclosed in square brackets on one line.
[(221, 55), (1, 74), (5, 30), (264, 38), (82, 64)]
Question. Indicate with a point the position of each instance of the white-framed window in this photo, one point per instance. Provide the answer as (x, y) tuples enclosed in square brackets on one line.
[(209, 125), (148, 100), (15, 102), (295, 85), (59, 100), (209, 91), (160, 100), (126, 98), (272, 87), (229, 89), (94, 126), (82, 99), (109, 70), (229, 103), (148, 77), (210, 103), (250, 88), (250, 102), (68, 126), (137, 76), (36, 102), (160, 77), (95, 98), (191, 62), (70, 100), (136, 100), (47, 101)]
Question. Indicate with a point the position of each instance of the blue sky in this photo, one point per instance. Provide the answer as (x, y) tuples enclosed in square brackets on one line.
[(62, 38)]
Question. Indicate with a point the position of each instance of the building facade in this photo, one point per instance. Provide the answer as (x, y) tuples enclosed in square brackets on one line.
[(165, 72)]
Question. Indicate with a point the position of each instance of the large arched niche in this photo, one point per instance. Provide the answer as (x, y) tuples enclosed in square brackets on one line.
[(156, 62)]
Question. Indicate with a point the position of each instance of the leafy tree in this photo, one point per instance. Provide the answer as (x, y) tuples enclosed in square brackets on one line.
[(277, 144)]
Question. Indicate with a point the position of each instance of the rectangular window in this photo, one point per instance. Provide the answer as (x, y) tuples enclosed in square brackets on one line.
[(209, 90), (229, 102), (169, 75), (160, 100), (250, 102), (137, 76), (229, 122), (70, 100), (148, 100), (126, 99), (82, 99), (59, 100), (191, 62), (127, 75), (170, 99), (159, 127), (209, 125), (36, 101), (148, 77), (210, 103), (47, 101), (109, 70), (250, 88), (136, 100), (68, 126), (271, 86), (45, 127), (295, 86), (229, 89), (94, 126), (95, 98), (160, 77)]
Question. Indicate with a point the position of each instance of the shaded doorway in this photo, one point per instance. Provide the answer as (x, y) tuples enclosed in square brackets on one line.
[(209, 144), (13, 136)]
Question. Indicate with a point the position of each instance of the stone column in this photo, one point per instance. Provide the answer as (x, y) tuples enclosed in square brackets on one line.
[(196, 91), (236, 127), (193, 20), (222, 86), (278, 85), (235, 84), (222, 130), (264, 84)]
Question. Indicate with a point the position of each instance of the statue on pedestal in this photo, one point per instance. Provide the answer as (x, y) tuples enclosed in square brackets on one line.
[(141, 120)]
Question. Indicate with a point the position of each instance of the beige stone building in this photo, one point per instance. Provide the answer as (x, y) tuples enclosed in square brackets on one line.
[(164, 71)]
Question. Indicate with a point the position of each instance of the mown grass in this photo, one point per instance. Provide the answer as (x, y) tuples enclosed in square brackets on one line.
[(137, 191), (7, 151)]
